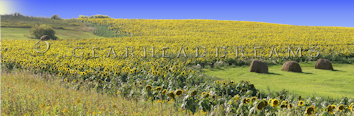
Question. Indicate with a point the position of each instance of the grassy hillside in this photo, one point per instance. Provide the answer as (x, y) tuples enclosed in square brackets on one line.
[(17, 27), (24, 93), (336, 84)]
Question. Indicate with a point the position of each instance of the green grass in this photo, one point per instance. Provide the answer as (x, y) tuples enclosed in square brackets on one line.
[(18, 34), (321, 83)]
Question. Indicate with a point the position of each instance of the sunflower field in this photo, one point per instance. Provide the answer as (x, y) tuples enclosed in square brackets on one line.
[(154, 62)]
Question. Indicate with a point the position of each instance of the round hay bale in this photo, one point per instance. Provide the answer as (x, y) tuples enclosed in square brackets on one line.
[(258, 67), (323, 64), (292, 66), (218, 64), (45, 37)]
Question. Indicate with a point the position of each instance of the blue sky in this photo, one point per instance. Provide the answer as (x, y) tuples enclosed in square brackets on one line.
[(293, 12)]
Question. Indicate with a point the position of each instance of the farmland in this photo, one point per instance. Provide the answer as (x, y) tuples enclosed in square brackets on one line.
[(156, 59)]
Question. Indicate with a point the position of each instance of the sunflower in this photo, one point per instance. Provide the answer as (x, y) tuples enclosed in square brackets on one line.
[(205, 94), (232, 82), (285, 102), (301, 103), (183, 73), (214, 96), (237, 97), (158, 88), (164, 92), (148, 87), (179, 92), (351, 107), (261, 105), (194, 93), (310, 110), (265, 103), (171, 94), (281, 97), (330, 109), (217, 82), (270, 101), (254, 99), (341, 108), (224, 82), (290, 106), (283, 106), (275, 103), (246, 100)]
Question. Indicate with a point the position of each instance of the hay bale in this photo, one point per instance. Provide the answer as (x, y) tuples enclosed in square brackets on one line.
[(292, 66), (258, 67), (219, 64), (323, 64), (44, 38), (198, 66)]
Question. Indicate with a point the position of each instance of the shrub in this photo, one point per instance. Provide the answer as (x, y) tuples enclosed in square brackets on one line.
[(55, 17), (99, 16), (38, 31), (83, 16)]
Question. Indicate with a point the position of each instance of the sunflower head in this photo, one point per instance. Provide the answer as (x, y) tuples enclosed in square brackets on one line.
[(301, 103), (290, 106), (158, 88), (283, 106), (194, 93), (217, 82), (179, 92), (330, 109), (237, 97), (148, 88), (275, 103), (246, 100), (214, 96), (171, 94), (224, 82), (254, 99), (232, 82), (270, 101), (164, 92), (310, 110), (261, 105), (341, 108)]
